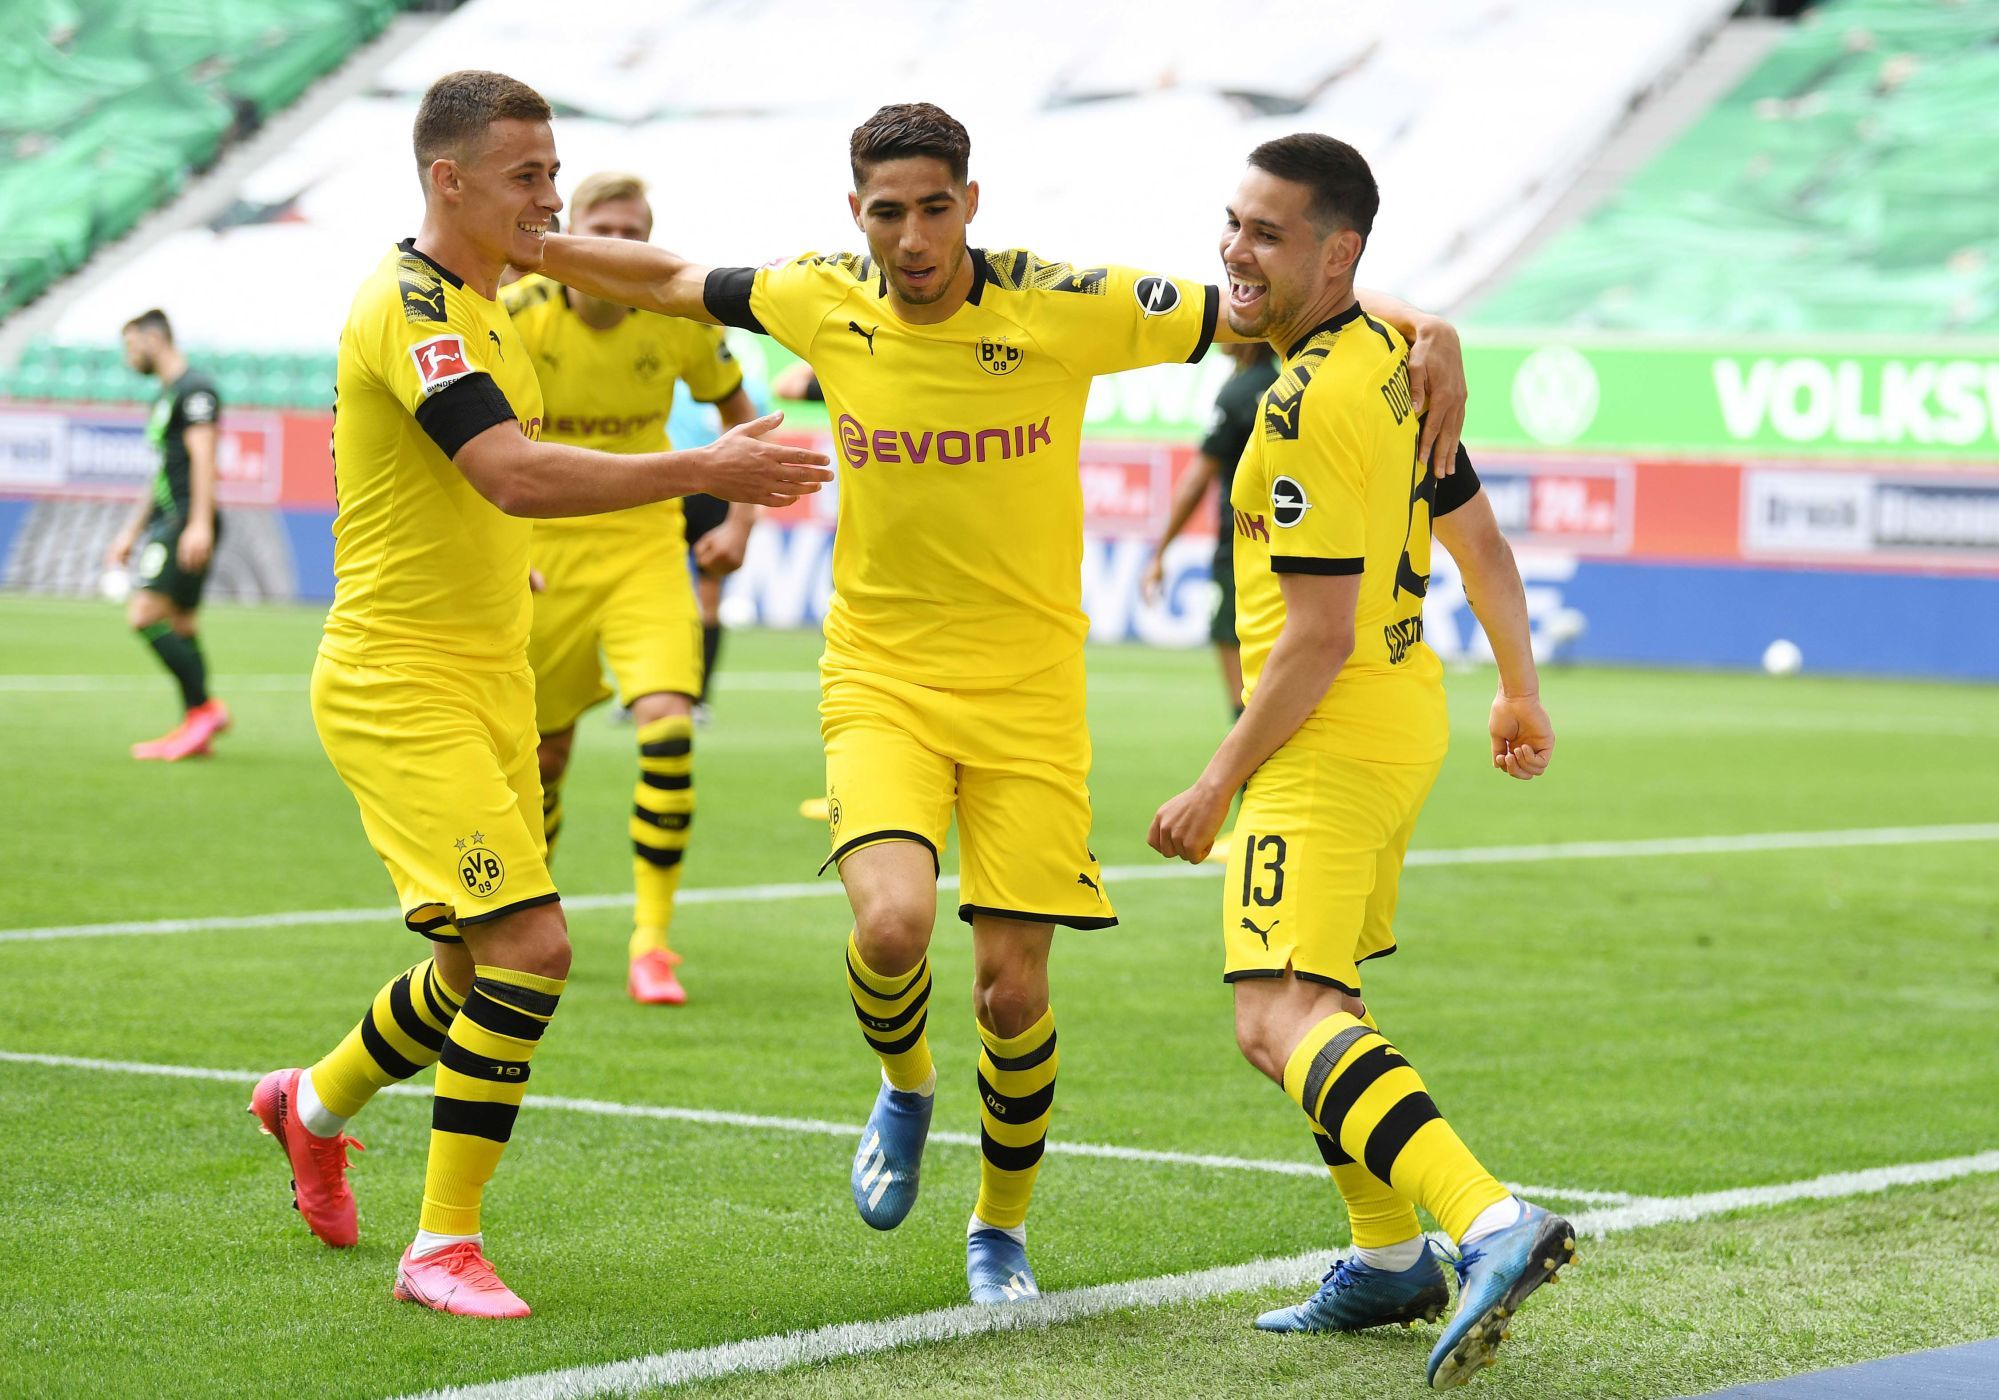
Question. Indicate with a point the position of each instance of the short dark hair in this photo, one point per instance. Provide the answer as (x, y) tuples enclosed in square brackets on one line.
[(905, 129), (458, 108), (154, 320), (1344, 194)]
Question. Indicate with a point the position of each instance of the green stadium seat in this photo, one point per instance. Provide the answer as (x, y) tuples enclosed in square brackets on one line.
[(1841, 188)]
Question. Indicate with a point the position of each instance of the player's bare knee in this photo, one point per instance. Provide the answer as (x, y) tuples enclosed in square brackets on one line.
[(660, 704), (454, 965), (1008, 1001), (894, 933), (534, 941)]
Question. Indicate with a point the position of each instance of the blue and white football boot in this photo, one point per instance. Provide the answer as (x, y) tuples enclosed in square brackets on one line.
[(891, 1156), (1496, 1272), (1354, 1296), (996, 1268)]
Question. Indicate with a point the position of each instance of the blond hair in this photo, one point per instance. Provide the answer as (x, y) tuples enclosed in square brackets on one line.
[(602, 188)]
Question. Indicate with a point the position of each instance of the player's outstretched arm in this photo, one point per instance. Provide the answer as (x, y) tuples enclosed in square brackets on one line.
[(628, 272), (546, 479), (1523, 738), (1436, 375), (1315, 643)]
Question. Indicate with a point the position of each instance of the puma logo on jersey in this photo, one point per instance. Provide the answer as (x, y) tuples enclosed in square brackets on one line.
[(868, 335), (1262, 933), (498, 349), (1086, 880)]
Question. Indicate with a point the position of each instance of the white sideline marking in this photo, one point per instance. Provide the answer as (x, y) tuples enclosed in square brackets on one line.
[(816, 1127), (773, 1353), (1164, 870)]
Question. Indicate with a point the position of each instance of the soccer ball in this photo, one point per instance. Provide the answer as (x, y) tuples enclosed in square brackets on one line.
[(1782, 658)]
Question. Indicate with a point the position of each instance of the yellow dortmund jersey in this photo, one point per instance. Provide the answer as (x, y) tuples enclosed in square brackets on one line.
[(612, 390), (425, 568), (1330, 484), (958, 557)]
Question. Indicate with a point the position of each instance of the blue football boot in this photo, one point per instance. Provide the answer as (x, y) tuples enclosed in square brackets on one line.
[(1354, 1296), (1495, 1274), (891, 1156), (996, 1268)]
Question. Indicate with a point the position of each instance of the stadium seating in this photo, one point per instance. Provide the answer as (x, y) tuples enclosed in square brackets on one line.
[(736, 116), (111, 102), (1845, 186)]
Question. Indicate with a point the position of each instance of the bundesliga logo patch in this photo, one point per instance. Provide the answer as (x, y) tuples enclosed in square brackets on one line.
[(440, 361)]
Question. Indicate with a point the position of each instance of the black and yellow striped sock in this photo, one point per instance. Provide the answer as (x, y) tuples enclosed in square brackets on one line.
[(402, 1032), (1357, 1087), (1016, 1096), (662, 812), (1377, 1217), (551, 816), (481, 1079), (893, 1012)]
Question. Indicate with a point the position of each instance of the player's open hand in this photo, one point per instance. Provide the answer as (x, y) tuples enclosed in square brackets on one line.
[(1523, 738), (1437, 391), (1187, 825), (743, 466), (1154, 578), (196, 546)]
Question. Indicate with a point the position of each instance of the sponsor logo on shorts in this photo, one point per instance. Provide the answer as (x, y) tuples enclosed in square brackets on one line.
[(1262, 933), (480, 868)]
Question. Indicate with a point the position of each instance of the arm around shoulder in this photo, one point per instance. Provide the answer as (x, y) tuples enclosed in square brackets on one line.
[(634, 274)]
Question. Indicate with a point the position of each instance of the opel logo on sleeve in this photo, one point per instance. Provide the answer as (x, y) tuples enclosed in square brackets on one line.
[(1287, 502), (1157, 295)]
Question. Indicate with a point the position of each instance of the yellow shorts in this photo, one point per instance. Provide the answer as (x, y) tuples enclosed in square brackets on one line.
[(1014, 763), (630, 598), (1315, 865), (442, 763)]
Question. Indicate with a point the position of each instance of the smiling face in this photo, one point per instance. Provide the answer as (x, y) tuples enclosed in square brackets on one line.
[(914, 214), (1285, 276), (498, 196)]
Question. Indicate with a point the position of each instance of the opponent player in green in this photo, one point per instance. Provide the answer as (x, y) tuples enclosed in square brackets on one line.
[(179, 524), (953, 674), (1342, 735)]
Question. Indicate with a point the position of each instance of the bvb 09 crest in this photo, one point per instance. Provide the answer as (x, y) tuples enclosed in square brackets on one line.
[(998, 356)]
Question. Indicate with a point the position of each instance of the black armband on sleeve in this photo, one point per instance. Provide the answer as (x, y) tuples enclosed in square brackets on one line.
[(726, 294), (1457, 488), (462, 410), (1211, 310)]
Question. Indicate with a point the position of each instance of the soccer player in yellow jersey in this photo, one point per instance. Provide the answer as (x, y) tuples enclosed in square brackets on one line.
[(619, 583), (953, 674), (1342, 735), (421, 692)]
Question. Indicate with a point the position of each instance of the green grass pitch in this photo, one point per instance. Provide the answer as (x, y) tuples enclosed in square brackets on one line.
[(1660, 1026)]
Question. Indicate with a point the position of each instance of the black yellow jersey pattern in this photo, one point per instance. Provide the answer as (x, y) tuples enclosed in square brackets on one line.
[(1330, 484), (425, 568), (958, 556)]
